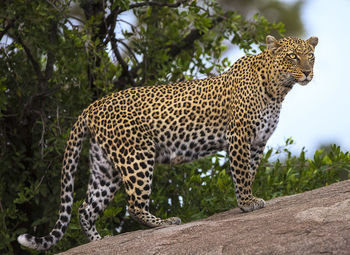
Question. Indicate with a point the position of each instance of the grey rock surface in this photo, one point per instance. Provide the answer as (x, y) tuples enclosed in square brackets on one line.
[(314, 222)]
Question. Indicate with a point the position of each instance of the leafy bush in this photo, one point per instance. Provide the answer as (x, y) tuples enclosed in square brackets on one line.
[(289, 174)]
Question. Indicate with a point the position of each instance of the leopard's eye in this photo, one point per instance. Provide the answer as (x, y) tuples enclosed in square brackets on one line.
[(292, 56)]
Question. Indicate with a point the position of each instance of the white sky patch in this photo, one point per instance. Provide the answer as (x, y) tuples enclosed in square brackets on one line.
[(181, 201)]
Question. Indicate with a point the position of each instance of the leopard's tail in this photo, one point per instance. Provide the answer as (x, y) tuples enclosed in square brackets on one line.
[(70, 162)]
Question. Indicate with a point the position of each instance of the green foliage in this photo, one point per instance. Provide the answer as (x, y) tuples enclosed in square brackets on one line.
[(290, 174)]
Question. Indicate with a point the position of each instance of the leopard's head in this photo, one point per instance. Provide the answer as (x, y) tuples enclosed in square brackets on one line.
[(294, 58)]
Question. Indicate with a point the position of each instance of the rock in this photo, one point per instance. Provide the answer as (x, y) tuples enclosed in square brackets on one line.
[(313, 222)]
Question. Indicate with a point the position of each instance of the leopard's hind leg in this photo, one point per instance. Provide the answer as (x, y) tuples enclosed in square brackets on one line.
[(137, 172), (103, 184)]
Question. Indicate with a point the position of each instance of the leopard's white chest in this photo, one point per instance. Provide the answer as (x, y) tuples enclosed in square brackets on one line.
[(266, 124)]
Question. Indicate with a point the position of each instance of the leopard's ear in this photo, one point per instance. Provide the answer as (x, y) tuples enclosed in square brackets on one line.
[(271, 43), (313, 40)]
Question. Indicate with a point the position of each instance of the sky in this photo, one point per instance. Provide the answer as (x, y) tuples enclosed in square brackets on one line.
[(319, 113)]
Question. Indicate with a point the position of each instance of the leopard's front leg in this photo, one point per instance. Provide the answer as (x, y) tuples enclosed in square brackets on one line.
[(256, 153), (241, 169)]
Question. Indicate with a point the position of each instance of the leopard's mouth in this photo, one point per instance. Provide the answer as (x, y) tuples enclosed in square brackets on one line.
[(305, 79), (303, 82)]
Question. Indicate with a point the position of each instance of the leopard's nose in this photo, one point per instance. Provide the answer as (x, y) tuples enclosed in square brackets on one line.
[(306, 73)]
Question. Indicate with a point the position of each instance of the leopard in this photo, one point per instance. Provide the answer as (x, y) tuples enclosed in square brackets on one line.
[(132, 130)]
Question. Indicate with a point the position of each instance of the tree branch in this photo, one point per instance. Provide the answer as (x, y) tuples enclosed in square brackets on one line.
[(50, 54), (128, 48), (108, 25), (122, 80), (174, 5), (188, 41), (120, 59), (174, 50), (31, 58), (7, 27)]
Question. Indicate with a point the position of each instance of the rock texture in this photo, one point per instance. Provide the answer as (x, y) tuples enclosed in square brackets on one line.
[(313, 222)]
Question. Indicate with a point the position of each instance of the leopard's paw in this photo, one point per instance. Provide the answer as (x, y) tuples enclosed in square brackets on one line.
[(172, 221), (252, 204)]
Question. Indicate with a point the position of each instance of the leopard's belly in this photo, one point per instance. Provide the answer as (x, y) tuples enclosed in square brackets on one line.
[(183, 147)]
